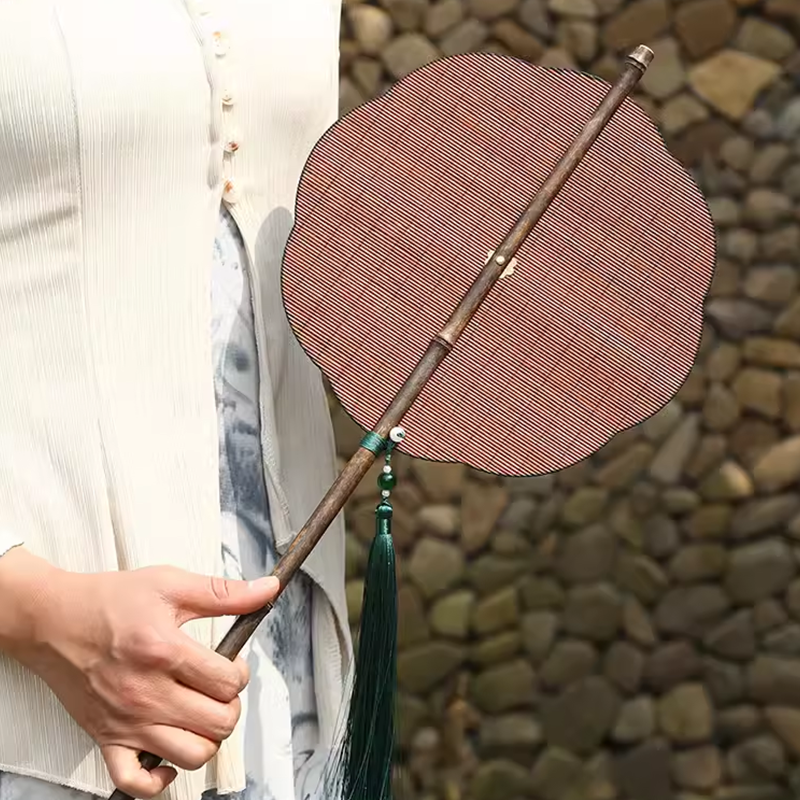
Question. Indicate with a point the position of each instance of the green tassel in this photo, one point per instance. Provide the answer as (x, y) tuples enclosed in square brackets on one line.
[(370, 734)]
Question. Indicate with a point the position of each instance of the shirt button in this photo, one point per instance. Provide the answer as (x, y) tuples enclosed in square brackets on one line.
[(227, 98), (230, 193), (231, 146), (221, 44)]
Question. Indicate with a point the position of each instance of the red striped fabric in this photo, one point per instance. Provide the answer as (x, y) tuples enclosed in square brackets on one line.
[(398, 206)]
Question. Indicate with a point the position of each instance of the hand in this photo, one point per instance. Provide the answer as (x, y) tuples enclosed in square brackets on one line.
[(110, 647)]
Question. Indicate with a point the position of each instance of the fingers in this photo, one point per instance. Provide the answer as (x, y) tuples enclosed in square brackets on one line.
[(182, 748), (208, 672), (129, 776), (195, 596), (199, 714)]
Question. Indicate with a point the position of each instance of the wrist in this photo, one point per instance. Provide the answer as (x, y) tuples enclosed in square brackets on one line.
[(27, 584)]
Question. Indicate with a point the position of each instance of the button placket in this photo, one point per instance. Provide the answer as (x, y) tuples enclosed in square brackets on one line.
[(220, 45)]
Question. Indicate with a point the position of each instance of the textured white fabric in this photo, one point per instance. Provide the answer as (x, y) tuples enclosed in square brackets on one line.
[(114, 122), (281, 731)]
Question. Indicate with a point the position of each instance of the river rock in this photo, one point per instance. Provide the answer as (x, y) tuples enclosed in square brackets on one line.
[(705, 25), (779, 467), (593, 612), (685, 714), (729, 81), (774, 680), (504, 687), (698, 769), (406, 53), (735, 638), (496, 612), (759, 570), (670, 664), (644, 773), (509, 732), (498, 780), (757, 760), (642, 20), (450, 616), (420, 668), (579, 719), (538, 634), (587, 556), (624, 666), (760, 516), (691, 610), (435, 566), (668, 464), (569, 661), (696, 563), (636, 721)]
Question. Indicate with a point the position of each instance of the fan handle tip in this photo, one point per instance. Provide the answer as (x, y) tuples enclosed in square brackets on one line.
[(641, 57)]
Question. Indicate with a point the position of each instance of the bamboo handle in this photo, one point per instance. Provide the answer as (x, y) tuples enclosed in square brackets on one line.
[(358, 466)]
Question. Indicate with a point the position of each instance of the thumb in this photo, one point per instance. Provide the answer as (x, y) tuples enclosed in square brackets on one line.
[(194, 596)]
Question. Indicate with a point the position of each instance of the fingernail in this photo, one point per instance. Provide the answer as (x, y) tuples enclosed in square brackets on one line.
[(270, 583)]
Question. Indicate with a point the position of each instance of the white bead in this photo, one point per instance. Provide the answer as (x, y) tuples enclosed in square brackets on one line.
[(387, 469), (385, 494), (397, 434)]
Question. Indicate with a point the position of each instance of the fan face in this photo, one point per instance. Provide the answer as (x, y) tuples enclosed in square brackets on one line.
[(398, 208)]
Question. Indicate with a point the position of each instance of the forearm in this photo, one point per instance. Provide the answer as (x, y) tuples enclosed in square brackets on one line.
[(25, 586)]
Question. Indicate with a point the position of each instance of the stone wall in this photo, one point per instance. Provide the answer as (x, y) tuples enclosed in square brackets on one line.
[(630, 627)]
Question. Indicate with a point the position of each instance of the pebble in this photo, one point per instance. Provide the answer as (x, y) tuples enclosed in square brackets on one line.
[(682, 112), (759, 570), (624, 666), (569, 661), (756, 761), (788, 125), (580, 718), (763, 515), (737, 318), (685, 714), (450, 616), (771, 285), (705, 25), (442, 16), (765, 208), (636, 721), (504, 687), (785, 722), (510, 732), (764, 39), (372, 28), (699, 768), (779, 467), (641, 20), (421, 667), (734, 638), (729, 81), (435, 566), (669, 461), (691, 610), (539, 630), (666, 76), (758, 390), (670, 664)]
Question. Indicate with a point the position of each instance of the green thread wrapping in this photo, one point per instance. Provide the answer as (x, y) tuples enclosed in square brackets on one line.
[(374, 443)]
